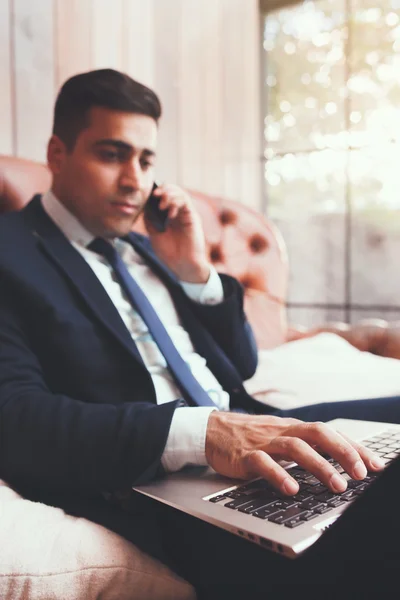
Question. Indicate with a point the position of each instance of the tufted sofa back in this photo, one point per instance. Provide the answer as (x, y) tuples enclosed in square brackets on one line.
[(240, 242)]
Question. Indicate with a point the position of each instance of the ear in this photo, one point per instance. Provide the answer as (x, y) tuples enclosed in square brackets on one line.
[(56, 154)]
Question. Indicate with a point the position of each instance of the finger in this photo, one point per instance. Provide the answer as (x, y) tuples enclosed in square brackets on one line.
[(173, 211), (171, 188), (333, 443), (158, 191), (168, 190), (169, 200), (371, 460), (302, 453), (259, 463), (178, 208)]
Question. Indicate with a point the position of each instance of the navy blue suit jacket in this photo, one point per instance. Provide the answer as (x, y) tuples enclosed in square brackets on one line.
[(78, 412)]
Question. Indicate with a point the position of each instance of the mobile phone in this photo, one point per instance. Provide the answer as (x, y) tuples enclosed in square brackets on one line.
[(155, 216)]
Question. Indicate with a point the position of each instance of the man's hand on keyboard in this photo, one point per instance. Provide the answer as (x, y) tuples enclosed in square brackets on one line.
[(246, 446)]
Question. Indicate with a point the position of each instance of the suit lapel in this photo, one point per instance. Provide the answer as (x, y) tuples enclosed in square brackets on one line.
[(68, 260)]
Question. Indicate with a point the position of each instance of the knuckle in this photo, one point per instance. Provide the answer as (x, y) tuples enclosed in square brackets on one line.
[(296, 444), (347, 451), (292, 422), (360, 448), (272, 420), (257, 455), (322, 465), (318, 428), (247, 464), (254, 459), (284, 443)]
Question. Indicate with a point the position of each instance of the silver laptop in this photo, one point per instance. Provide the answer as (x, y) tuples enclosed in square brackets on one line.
[(253, 510)]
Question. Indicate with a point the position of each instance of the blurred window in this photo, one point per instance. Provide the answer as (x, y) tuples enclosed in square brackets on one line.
[(331, 87)]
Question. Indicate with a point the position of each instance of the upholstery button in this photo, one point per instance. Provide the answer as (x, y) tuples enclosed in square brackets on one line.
[(227, 217), (216, 255), (257, 243), (250, 281)]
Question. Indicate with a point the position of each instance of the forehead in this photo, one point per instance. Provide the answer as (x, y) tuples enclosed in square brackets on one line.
[(139, 131)]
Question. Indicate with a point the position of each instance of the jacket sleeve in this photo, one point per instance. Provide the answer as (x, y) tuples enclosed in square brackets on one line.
[(229, 327), (61, 443)]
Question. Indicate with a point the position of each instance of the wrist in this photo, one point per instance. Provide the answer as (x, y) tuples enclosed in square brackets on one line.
[(194, 273), (213, 434)]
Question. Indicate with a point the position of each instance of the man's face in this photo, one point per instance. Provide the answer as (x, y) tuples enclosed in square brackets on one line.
[(107, 177)]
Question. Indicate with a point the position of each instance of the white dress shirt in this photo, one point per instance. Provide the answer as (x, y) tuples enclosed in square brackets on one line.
[(186, 439)]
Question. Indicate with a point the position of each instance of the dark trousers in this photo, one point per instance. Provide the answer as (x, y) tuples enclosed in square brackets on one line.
[(355, 558), (375, 409)]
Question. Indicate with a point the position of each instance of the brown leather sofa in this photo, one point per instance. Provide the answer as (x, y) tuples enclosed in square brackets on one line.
[(242, 243)]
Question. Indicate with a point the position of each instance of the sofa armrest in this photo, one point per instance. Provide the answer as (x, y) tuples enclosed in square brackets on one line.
[(371, 335)]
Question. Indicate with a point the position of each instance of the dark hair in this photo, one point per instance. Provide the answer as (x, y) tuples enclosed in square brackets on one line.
[(106, 88)]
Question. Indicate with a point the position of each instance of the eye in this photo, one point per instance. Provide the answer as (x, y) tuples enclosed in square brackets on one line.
[(146, 164), (109, 155)]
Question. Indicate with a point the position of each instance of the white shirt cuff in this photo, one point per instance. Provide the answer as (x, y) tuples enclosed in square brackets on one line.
[(211, 292), (186, 443)]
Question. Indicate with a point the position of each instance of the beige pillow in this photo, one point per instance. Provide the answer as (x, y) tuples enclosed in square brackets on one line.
[(46, 554)]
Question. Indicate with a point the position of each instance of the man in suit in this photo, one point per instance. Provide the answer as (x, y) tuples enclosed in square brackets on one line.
[(94, 394)]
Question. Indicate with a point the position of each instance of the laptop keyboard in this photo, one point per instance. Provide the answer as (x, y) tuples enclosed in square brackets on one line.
[(259, 499)]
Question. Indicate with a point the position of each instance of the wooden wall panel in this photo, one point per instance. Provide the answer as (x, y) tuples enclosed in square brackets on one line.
[(138, 40), (241, 123), (191, 112), (108, 22), (34, 75), (6, 80), (167, 48), (252, 124), (207, 75), (73, 37), (212, 101), (232, 68)]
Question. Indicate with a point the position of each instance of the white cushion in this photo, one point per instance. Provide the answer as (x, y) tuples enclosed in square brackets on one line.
[(324, 368), (46, 554)]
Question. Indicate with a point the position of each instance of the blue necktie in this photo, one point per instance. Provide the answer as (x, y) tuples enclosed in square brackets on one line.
[(189, 385)]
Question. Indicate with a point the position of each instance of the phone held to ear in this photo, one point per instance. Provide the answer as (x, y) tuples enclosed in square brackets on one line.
[(156, 217)]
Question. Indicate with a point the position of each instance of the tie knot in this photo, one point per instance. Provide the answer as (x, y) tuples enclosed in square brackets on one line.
[(104, 248)]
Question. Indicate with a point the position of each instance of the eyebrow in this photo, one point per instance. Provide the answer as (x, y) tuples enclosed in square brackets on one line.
[(120, 145)]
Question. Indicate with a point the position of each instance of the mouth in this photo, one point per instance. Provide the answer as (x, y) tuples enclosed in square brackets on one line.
[(125, 207)]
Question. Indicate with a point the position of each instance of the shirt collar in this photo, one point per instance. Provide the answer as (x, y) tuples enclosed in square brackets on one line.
[(65, 220)]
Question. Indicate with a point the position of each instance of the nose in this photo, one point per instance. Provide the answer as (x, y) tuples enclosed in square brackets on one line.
[(131, 175)]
